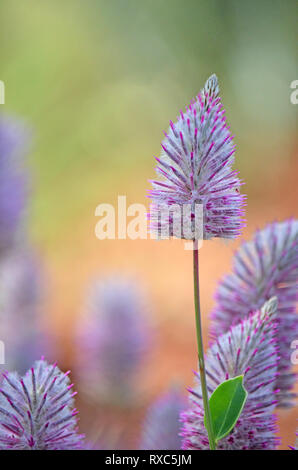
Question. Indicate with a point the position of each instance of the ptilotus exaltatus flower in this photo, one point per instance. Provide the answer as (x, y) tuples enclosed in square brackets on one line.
[(248, 349), (112, 339), (12, 180), (195, 167), (264, 267), (162, 426), (37, 410)]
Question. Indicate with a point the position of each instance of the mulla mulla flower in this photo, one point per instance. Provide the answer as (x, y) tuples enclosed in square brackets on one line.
[(162, 426), (249, 349), (37, 410), (264, 267), (112, 339), (13, 146), (195, 167), (197, 196)]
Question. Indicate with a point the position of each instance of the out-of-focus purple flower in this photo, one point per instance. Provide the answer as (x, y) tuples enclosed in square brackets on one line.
[(248, 349), (161, 429), (37, 410), (112, 339), (195, 166), (21, 327), (264, 267), (13, 146)]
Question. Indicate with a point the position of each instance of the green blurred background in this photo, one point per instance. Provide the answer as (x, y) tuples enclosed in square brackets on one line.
[(98, 81)]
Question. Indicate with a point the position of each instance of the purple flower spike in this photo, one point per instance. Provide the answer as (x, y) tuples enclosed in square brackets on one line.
[(162, 427), (12, 180), (112, 340), (248, 349), (36, 411), (264, 267), (195, 167)]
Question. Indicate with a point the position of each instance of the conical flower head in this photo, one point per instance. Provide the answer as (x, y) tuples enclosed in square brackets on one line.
[(13, 140), (264, 267), (162, 426), (112, 338), (196, 170), (248, 349), (36, 410)]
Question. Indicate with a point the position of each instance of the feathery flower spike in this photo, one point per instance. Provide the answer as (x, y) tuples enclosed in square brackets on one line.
[(37, 410), (248, 349), (264, 267), (161, 427), (195, 167)]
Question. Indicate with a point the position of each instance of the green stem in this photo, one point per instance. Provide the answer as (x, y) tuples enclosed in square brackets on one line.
[(212, 443)]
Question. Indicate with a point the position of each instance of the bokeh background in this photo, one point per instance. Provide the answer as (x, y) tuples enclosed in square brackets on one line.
[(96, 82)]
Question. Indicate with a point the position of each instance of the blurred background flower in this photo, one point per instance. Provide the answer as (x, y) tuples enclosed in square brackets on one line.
[(161, 428), (13, 184), (23, 328), (113, 338)]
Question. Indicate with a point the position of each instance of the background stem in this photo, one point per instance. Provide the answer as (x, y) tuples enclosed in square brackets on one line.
[(200, 345)]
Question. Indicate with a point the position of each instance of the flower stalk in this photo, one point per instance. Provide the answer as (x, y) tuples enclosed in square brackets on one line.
[(201, 361)]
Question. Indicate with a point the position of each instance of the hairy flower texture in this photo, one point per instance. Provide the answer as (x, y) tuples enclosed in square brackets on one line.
[(36, 410), (161, 428), (264, 267), (195, 166), (248, 349), (13, 146), (112, 339), (21, 326)]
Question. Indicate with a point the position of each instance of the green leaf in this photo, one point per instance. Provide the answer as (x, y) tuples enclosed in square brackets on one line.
[(226, 404)]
